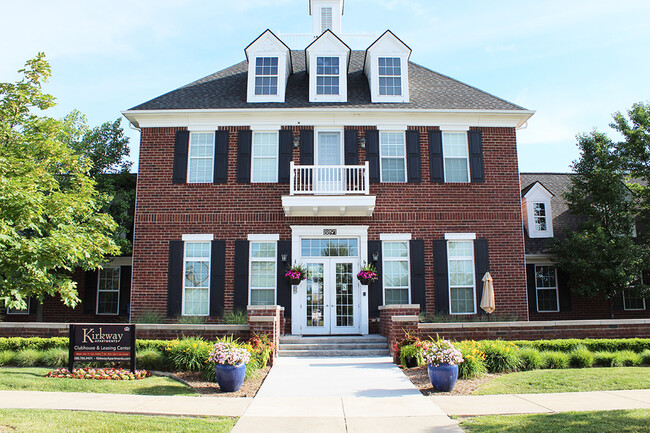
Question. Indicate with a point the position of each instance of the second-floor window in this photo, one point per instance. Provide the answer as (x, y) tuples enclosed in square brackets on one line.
[(265, 157), (266, 76), (263, 275), (456, 157), (108, 291), (390, 76), (392, 150), (201, 157), (539, 216), (546, 289), (327, 75)]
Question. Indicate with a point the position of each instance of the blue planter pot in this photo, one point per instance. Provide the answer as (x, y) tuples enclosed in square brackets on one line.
[(443, 377), (230, 377)]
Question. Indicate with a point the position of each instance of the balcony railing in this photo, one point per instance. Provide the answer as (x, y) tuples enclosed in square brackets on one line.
[(329, 179)]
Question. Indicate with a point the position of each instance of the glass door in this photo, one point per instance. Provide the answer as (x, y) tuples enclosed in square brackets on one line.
[(329, 159), (344, 298), (315, 317)]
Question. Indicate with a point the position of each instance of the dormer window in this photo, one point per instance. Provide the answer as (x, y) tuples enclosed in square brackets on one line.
[(539, 216), (327, 75), (386, 67), (536, 209), (327, 66), (390, 76), (266, 76)]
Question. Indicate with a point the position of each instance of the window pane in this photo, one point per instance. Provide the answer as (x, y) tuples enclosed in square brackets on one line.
[(107, 302), (329, 247), (393, 170), (396, 296), (454, 144), (263, 274), (633, 301), (460, 249), (327, 65), (196, 274), (197, 249), (200, 170), (395, 249), (462, 300), (262, 297), (545, 276), (461, 273), (456, 170), (392, 144), (390, 66), (327, 85), (266, 66), (266, 85), (547, 300), (396, 273), (196, 302), (265, 144), (263, 249)]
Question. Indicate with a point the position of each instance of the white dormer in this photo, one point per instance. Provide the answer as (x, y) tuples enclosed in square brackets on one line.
[(536, 207), (386, 66), (326, 15), (327, 65), (269, 67)]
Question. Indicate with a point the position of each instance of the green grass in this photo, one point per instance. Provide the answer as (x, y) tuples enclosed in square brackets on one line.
[(31, 420), (569, 380), (33, 379), (616, 421)]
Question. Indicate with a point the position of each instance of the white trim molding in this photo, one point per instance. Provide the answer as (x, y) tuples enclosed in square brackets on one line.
[(394, 236), (460, 236), (198, 237), (263, 237)]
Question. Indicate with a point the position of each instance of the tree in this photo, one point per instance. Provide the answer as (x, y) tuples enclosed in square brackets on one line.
[(601, 256), (50, 222)]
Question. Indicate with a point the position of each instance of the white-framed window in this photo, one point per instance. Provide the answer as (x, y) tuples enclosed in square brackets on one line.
[(537, 211), (265, 157), (196, 284), (263, 273), (327, 75), (539, 216), (18, 311), (266, 75), (201, 157), (546, 289), (456, 156), (462, 281), (392, 152), (396, 278), (326, 19), (108, 291), (633, 301), (390, 76)]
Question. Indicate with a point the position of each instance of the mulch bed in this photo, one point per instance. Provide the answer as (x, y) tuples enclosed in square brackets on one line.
[(211, 389), (420, 378)]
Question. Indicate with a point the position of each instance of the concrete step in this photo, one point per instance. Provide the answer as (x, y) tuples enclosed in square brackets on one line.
[(333, 353), (333, 346), (297, 339), (338, 345)]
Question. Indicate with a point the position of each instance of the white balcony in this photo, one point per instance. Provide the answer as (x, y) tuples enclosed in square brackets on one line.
[(329, 190)]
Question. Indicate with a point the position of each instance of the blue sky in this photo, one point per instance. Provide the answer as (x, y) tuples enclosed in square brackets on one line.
[(573, 62)]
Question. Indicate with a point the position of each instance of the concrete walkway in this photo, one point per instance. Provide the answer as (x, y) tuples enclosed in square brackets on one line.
[(341, 395)]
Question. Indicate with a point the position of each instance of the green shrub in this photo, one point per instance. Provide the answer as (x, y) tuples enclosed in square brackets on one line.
[(151, 359), (191, 320), (474, 360), (159, 345), (150, 317), (626, 358), (237, 317), (54, 358), (594, 345), (19, 343), (500, 356), (530, 359), (581, 357), (7, 357), (413, 351), (27, 358), (645, 357), (554, 359), (604, 359), (188, 353)]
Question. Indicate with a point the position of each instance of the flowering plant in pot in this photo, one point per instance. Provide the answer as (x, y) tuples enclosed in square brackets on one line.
[(230, 364), (442, 360), (296, 274), (368, 274)]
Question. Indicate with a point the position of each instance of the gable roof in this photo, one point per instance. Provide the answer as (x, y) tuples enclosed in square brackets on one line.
[(226, 89)]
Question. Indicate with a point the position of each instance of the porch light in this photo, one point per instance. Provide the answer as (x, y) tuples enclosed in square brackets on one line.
[(375, 256), (362, 140), (296, 141), (284, 258)]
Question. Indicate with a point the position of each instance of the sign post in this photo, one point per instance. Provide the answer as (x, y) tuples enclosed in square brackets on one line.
[(102, 343)]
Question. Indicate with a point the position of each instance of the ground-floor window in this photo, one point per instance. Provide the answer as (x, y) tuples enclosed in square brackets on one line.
[(546, 289), (20, 311), (396, 272), (263, 273), (633, 301), (196, 284), (460, 256), (108, 291)]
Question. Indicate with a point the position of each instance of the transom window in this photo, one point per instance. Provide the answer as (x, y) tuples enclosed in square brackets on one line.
[(327, 75), (633, 301), (266, 76), (201, 157), (265, 157), (539, 215), (390, 76), (456, 160), (329, 247), (460, 256), (263, 274), (546, 288), (396, 272), (196, 284), (108, 291), (392, 149)]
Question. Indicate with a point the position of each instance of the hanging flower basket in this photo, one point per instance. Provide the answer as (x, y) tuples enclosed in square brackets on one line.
[(367, 275), (296, 274)]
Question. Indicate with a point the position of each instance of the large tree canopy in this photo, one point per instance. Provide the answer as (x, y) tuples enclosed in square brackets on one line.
[(50, 219)]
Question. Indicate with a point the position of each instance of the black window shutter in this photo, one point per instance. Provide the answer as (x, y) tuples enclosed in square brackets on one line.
[(476, 156), (307, 147), (440, 282), (285, 155), (435, 157), (376, 289), (418, 287), (90, 292), (125, 289), (372, 154), (564, 292), (351, 147), (482, 265), (413, 156), (175, 279), (283, 286), (532, 291), (179, 174), (244, 142), (221, 156), (217, 277), (241, 275)]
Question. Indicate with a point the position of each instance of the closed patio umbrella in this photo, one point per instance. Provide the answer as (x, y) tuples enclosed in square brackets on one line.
[(487, 300)]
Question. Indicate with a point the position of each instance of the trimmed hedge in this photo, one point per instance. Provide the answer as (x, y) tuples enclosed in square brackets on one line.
[(637, 345)]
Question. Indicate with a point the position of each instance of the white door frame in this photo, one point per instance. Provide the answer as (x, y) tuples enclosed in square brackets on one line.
[(299, 232)]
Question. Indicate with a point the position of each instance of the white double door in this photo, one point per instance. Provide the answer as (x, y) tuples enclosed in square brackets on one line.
[(330, 301)]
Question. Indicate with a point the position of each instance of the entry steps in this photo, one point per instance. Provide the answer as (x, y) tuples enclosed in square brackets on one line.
[(333, 345)]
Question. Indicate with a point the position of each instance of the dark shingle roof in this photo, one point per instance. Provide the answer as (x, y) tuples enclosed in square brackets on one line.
[(227, 89)]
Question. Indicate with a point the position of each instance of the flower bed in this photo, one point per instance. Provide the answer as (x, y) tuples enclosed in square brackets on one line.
[(99, 374)]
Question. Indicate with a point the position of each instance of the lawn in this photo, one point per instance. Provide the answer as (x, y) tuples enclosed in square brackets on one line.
[(569, 380), (33, 379), (617, 421), (61, 421)]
